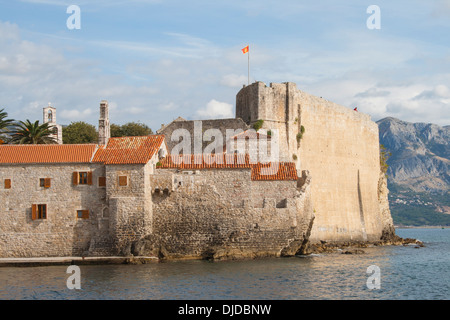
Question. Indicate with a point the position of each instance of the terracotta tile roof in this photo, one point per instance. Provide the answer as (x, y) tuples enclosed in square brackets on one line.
[(47, 153), (274, 171), (129, 150), (259, 171)]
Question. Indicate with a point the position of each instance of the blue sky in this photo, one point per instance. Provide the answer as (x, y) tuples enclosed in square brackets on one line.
[(157, 60)]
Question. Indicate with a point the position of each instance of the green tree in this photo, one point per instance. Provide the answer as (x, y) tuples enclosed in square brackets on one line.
[(130, 129), (116, 130), (4, 124), (26, 132), (79, 132)]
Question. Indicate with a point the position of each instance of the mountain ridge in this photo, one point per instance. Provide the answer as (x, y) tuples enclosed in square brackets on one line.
[(418, 171)]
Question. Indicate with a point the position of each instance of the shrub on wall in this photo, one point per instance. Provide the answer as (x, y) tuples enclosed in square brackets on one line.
[(258, 124), (300, 134)]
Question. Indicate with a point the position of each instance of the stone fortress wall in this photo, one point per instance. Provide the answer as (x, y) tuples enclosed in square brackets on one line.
[(222, 214), (339, 147)]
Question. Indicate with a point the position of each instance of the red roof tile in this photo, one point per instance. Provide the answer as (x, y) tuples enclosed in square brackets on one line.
[(259, 171), (47, 153), (129, 150)]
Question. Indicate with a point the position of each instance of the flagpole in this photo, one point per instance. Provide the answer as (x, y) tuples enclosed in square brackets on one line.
[(248, 66)]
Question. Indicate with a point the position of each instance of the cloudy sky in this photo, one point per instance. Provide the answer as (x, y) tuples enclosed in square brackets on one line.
[(155, 60)]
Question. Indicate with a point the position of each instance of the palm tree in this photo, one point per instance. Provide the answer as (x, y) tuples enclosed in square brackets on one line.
[(4, 123), (32, 133)]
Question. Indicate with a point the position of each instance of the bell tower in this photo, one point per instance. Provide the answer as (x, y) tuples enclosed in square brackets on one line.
[(49, 116), (104, 131)]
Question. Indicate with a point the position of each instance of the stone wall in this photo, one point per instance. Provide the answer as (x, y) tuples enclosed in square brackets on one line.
[(222, 213), (130, 204), (339, 147), (62, 233)]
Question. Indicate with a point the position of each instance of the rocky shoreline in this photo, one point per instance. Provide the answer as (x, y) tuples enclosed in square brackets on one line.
[(356, 247)]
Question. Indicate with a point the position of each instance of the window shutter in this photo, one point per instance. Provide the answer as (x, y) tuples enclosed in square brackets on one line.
[(123, 181), (85, 214), (47, 183), (89, 178), (34, 212), (7, 183), (102, 181), (75, 178)]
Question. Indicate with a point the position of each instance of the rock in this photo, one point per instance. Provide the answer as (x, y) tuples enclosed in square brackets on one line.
[(354, 251)]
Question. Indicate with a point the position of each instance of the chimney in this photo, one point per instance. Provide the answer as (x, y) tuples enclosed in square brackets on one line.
[(104, 132)]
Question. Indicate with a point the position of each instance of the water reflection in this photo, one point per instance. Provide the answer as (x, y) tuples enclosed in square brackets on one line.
[(406, 273)]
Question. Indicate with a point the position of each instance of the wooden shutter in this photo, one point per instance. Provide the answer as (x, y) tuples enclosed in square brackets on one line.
[(34, 212), (123, 181), (102, 181), (47, 182), (89, 178), (75, 178), (85, 214), (7, 183)]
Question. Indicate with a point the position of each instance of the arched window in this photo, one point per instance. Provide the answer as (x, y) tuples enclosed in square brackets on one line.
[(50, 116)]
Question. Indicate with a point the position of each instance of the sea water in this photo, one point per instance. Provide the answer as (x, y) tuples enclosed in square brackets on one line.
[(405, 272)]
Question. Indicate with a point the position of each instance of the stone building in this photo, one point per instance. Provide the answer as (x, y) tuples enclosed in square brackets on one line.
[(73, 200), (128, 195)]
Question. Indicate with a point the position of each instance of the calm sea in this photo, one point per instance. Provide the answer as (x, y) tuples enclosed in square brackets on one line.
[(406, 272)]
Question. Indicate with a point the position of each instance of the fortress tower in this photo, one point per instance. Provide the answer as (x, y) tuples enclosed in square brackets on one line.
[(278, 107), (340, 149), (49, 116)]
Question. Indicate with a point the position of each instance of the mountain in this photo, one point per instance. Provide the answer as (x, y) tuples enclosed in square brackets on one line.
[(418, 173)]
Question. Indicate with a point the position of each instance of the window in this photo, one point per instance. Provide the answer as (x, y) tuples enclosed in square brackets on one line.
[(83, 214), (39, 211), (7, 183), (83, 177), (123, 181), (102, 181), (45, 182)]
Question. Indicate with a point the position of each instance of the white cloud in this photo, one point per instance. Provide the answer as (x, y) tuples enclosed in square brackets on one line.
[(410, 102), (234, 80), (74, 114), (169, 106), (215, 110)]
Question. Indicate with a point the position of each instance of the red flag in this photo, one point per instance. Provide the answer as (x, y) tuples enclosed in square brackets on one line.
[(245, 50)]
